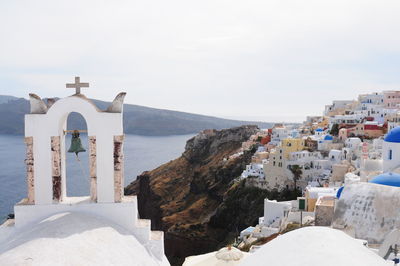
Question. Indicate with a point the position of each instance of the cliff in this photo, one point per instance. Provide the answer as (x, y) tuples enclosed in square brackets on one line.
[(188, 197)]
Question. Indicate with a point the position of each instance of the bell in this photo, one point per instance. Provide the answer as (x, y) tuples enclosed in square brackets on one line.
[(76, 144)]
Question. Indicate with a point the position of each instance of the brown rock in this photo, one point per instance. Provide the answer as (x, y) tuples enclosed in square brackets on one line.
[(181, 196)]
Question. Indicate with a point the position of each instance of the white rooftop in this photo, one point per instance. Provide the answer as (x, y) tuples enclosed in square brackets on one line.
[(74, 238), (314, 246), (315, 192)]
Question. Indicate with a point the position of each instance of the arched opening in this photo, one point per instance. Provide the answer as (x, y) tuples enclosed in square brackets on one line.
[(77, 180)]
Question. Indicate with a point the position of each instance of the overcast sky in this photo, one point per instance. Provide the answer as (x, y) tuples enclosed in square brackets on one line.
[(266, 60)]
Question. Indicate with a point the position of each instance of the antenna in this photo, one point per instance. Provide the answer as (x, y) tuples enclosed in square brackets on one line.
[(391, 244)]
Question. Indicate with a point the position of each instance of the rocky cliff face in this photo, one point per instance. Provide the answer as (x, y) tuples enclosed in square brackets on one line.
[(182, 197)]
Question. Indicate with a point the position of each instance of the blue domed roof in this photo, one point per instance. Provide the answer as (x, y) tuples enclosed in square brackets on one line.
[(393, 135), (319, 130), (328, 137), (388, 179), (339, 192)]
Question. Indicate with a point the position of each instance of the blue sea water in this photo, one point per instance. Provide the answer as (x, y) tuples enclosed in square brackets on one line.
[(141, 154)]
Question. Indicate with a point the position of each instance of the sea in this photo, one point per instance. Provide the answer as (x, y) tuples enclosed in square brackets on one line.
[(142, 153)]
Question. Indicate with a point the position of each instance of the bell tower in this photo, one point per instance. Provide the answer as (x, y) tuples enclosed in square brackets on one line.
[(45, 129)]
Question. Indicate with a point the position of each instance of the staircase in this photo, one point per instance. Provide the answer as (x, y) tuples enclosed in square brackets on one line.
[(153, 240)]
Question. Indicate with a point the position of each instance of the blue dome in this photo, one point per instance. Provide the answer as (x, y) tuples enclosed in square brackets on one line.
[(393, 135), (328, 137), (319, 130), (388, 179), (339, 192)]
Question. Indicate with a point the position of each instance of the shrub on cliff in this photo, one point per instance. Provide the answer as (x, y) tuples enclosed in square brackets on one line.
[(242, 206)]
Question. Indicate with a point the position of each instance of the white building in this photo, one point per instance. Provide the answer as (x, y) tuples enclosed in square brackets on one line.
[(306, 160), (375, 98), (391, 150), (247, 232), (376, 149), (319, 132), (335, 156), (274, 211), (278, 134), (392, 125), (294, 133), (352, 143), (324, 143), (338, 106), (378, 113), (254, 170), (347, 119), (393, 120), (313, 168)]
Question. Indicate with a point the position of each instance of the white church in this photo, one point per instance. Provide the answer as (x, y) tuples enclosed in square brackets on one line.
[(50, 228), (391, 150)]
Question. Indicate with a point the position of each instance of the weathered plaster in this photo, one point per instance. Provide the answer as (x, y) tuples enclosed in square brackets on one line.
[(56, 167), (324, 210), (118, 168), (30, 177), (368, 211), (92, 168)]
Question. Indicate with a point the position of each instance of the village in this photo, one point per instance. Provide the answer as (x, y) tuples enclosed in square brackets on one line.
[(345, 166), (341, 173)]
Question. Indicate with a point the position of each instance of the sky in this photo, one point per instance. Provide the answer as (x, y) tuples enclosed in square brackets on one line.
[(278, 60)]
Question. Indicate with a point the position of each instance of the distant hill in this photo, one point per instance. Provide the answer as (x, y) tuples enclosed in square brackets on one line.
[(138, 120), (6, 98)]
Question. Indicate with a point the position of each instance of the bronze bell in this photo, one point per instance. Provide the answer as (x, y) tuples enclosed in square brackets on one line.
[(76, 144)]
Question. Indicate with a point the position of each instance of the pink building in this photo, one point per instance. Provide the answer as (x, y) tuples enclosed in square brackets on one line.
[(391, 99)]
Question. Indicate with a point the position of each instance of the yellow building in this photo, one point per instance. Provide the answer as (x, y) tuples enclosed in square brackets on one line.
[(276, 171), (291, 145), (324, 123)]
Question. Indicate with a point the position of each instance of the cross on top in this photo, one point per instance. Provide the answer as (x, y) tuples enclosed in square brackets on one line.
[(77, 85)]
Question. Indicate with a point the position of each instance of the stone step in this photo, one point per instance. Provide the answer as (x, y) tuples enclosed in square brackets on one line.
[(157, 235), (143, 223), (143, 230), (154, 239), (156, 244)]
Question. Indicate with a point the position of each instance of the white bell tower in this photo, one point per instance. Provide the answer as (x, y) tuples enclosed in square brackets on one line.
[(45, 129)]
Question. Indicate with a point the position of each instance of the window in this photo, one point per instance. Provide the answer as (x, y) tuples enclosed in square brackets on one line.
[(390, 154)]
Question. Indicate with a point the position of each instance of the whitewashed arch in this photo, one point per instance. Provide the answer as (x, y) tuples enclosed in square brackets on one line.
[(104, 126)]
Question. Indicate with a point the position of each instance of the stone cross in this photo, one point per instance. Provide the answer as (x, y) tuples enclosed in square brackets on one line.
[(77, 85)]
